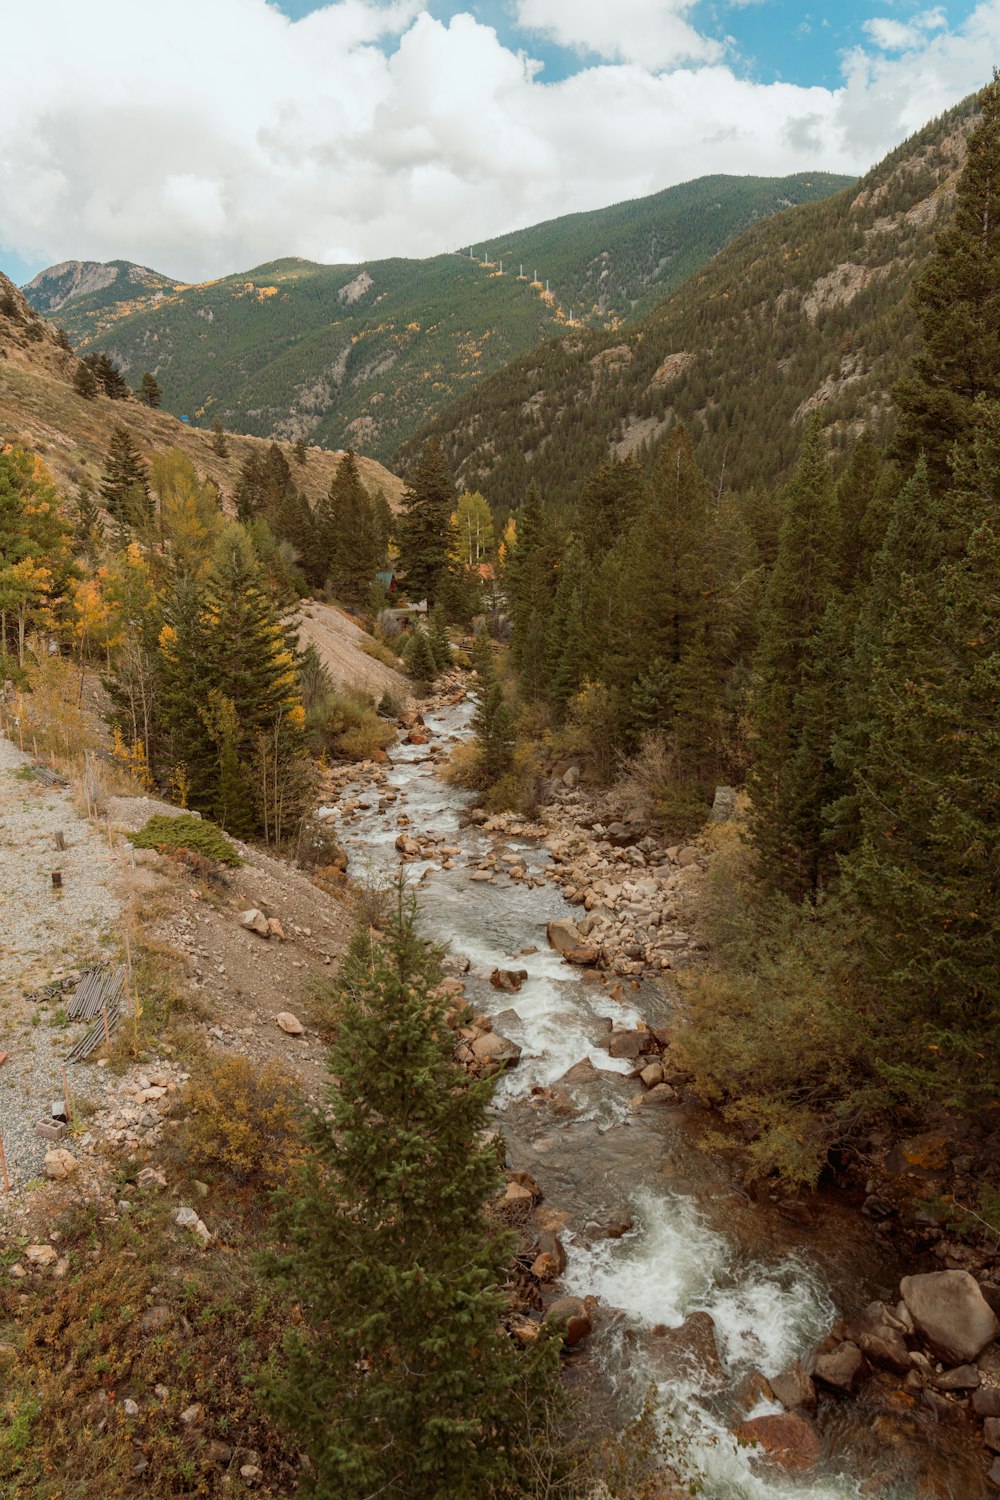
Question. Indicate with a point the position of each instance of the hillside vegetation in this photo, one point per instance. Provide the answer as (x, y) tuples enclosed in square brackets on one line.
[(808, 309), (40, 407), (362, 356)]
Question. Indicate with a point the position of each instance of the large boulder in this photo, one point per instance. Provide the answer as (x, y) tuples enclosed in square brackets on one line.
[(564, 935), (951, 1312), (787, 1440), (496, 1049)]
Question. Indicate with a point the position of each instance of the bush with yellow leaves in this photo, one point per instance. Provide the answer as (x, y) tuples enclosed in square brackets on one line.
[(245, 1122)]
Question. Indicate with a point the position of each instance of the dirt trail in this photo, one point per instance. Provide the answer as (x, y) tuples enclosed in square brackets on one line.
[(339, 642)]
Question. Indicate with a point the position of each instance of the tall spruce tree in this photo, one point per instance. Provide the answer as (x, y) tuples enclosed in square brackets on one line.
[(492, 720), (567, 653), (958, 302), (924, 877), (125, 481), (424, 529), (349, 545), (149, 392), (227, 645), (530, 582), (791, 779), (400, 1382)]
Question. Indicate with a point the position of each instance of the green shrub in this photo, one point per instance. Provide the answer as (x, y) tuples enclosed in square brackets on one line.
[(779, 1031), (379, 651), (185, 832)]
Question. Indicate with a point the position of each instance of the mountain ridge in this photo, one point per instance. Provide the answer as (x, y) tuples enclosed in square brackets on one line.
[(809, 308), (362, 354)]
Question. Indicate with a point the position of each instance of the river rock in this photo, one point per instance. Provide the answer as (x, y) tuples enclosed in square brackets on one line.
[(581, 1072), (963, 1378), (509, 980), (842, 1369), (951, 1312), (492, 1047), (627, 1044), (879, 1334), (585, 956), (787, 1440), (991, 1433), (570, 1313), (794, 1387), (563, 935), (691, 1347)]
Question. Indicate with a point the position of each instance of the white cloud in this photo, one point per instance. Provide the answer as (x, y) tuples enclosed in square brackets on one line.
[(205, 138), (897, 36), (654, 33)]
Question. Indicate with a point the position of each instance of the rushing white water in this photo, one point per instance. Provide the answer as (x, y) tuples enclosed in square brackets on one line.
[(673, 1262)]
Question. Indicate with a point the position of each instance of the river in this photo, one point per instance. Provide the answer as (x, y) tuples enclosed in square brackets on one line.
[(773, 1287)]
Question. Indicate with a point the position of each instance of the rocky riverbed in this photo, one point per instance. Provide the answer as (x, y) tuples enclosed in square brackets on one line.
[(791, 1351)]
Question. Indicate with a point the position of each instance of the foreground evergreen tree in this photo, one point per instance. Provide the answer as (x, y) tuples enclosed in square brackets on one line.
[(958, 301), (424, 530), (437, 636), (400, 1382), (219, 445)]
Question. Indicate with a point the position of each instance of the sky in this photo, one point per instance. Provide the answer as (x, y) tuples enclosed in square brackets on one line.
[(202, 137)]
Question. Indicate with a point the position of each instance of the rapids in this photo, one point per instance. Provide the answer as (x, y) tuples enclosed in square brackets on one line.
[(772, 1287)]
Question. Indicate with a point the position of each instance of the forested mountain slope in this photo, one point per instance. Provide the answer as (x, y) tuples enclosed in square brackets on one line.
[(810, 308), (363, 355), (40, 407)]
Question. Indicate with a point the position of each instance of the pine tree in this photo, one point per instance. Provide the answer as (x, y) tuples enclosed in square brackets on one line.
[(149, 392), (420, 660), (958, 302), (924, 877), (125, 481), (423, 529), (85, 382), (226, 639), (530, 576), (219, 445), (567, 654), (609, 504), (438, 638), (110, 379), (401, 1383), (491, 720), (300, 450), (791, 774), (348, 540)]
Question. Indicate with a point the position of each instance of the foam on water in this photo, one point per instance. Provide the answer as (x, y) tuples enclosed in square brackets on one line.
[(673, 1264)]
